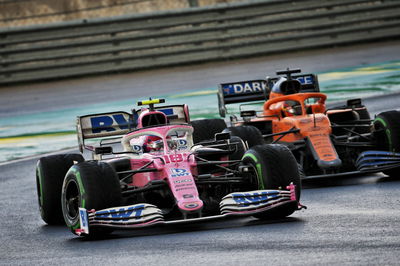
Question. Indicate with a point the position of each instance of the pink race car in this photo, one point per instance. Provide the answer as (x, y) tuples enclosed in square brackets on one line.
[(146, 170)]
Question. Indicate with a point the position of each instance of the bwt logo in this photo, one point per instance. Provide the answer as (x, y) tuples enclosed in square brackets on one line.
[(83, 218), (137, 148), (253, 198), (176, 172), (244, 87), (123, 214), (182, 142), (109, 123)]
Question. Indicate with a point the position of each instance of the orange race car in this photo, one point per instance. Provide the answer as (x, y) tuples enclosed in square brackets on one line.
[(326, 142)]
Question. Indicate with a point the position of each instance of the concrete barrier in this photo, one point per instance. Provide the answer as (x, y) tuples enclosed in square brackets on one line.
[(189, 36)]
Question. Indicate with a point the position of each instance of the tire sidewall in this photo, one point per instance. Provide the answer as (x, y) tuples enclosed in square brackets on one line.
[(98, 188), (50, 174), (276, 167), (387, 135), (73, 176), (389, 142), (252, 157)]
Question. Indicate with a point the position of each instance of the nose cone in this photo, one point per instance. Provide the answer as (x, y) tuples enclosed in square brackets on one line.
[(336, 163), (193, 205)]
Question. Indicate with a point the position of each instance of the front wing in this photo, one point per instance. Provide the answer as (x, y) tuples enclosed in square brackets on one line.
[(259, 202), (368, 162)]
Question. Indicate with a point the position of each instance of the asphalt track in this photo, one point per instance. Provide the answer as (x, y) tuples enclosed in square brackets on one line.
[(351, 221)]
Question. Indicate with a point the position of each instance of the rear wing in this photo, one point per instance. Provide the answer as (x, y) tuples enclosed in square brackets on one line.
[(258, 90), (103, 125), (240, 92), (120, 123), (176, 114)]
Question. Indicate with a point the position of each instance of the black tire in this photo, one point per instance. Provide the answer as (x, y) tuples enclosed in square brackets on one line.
[(50, 174), (387, 135), (276, 168), (90, 185), (249, 134), (363, 115), (301, 173), (205, 129), (240, 148)]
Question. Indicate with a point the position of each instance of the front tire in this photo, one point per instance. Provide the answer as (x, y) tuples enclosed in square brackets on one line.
[(387, 135), (364, 115), (50, 174), (240, 148), (205, 129), (249, 134), (90, 185), (276, 168)]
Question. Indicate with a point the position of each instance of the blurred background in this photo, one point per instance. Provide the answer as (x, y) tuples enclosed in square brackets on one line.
[(29, 12), (60, 59)]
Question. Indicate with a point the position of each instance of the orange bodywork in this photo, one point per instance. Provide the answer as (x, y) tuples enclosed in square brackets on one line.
[(310, 120)]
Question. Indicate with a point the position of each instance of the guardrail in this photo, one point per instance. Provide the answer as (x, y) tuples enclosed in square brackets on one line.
[(189, 36)]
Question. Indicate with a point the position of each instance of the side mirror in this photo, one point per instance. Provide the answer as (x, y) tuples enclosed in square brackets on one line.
[(103, 150), (248, 113), (354, 102), (222, 136)]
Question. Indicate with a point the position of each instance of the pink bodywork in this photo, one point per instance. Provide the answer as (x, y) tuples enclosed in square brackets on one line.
[(175, 166)]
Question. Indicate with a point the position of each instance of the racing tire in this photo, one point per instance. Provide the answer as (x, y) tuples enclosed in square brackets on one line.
[(276, 168), (302, 175), (205, 129), (90, 185), (363, 115), (249, 134), (50, 174), (240, 148), (387, 135)]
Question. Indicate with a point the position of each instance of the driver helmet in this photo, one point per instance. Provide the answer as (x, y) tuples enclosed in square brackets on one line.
[(286, 87), (152, 143), (291, 108)]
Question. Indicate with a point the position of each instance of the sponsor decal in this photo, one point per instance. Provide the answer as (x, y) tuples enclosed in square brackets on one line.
[(252, 198), (83, 221), (124, 213), (182, 181), (176, 172), (191, 205), (305, 120), (168, 111), (243, 88), (182, 144), (184, 188), (306, 79), (108, 123), (137, 148), (318, 135), (173, 158)]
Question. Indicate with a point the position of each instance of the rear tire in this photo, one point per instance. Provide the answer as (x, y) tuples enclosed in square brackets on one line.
[(205, 129), (240, 148), (249, 134), (90, 185), (387, 135), (276, 168), (364, 115), (50, 174)]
